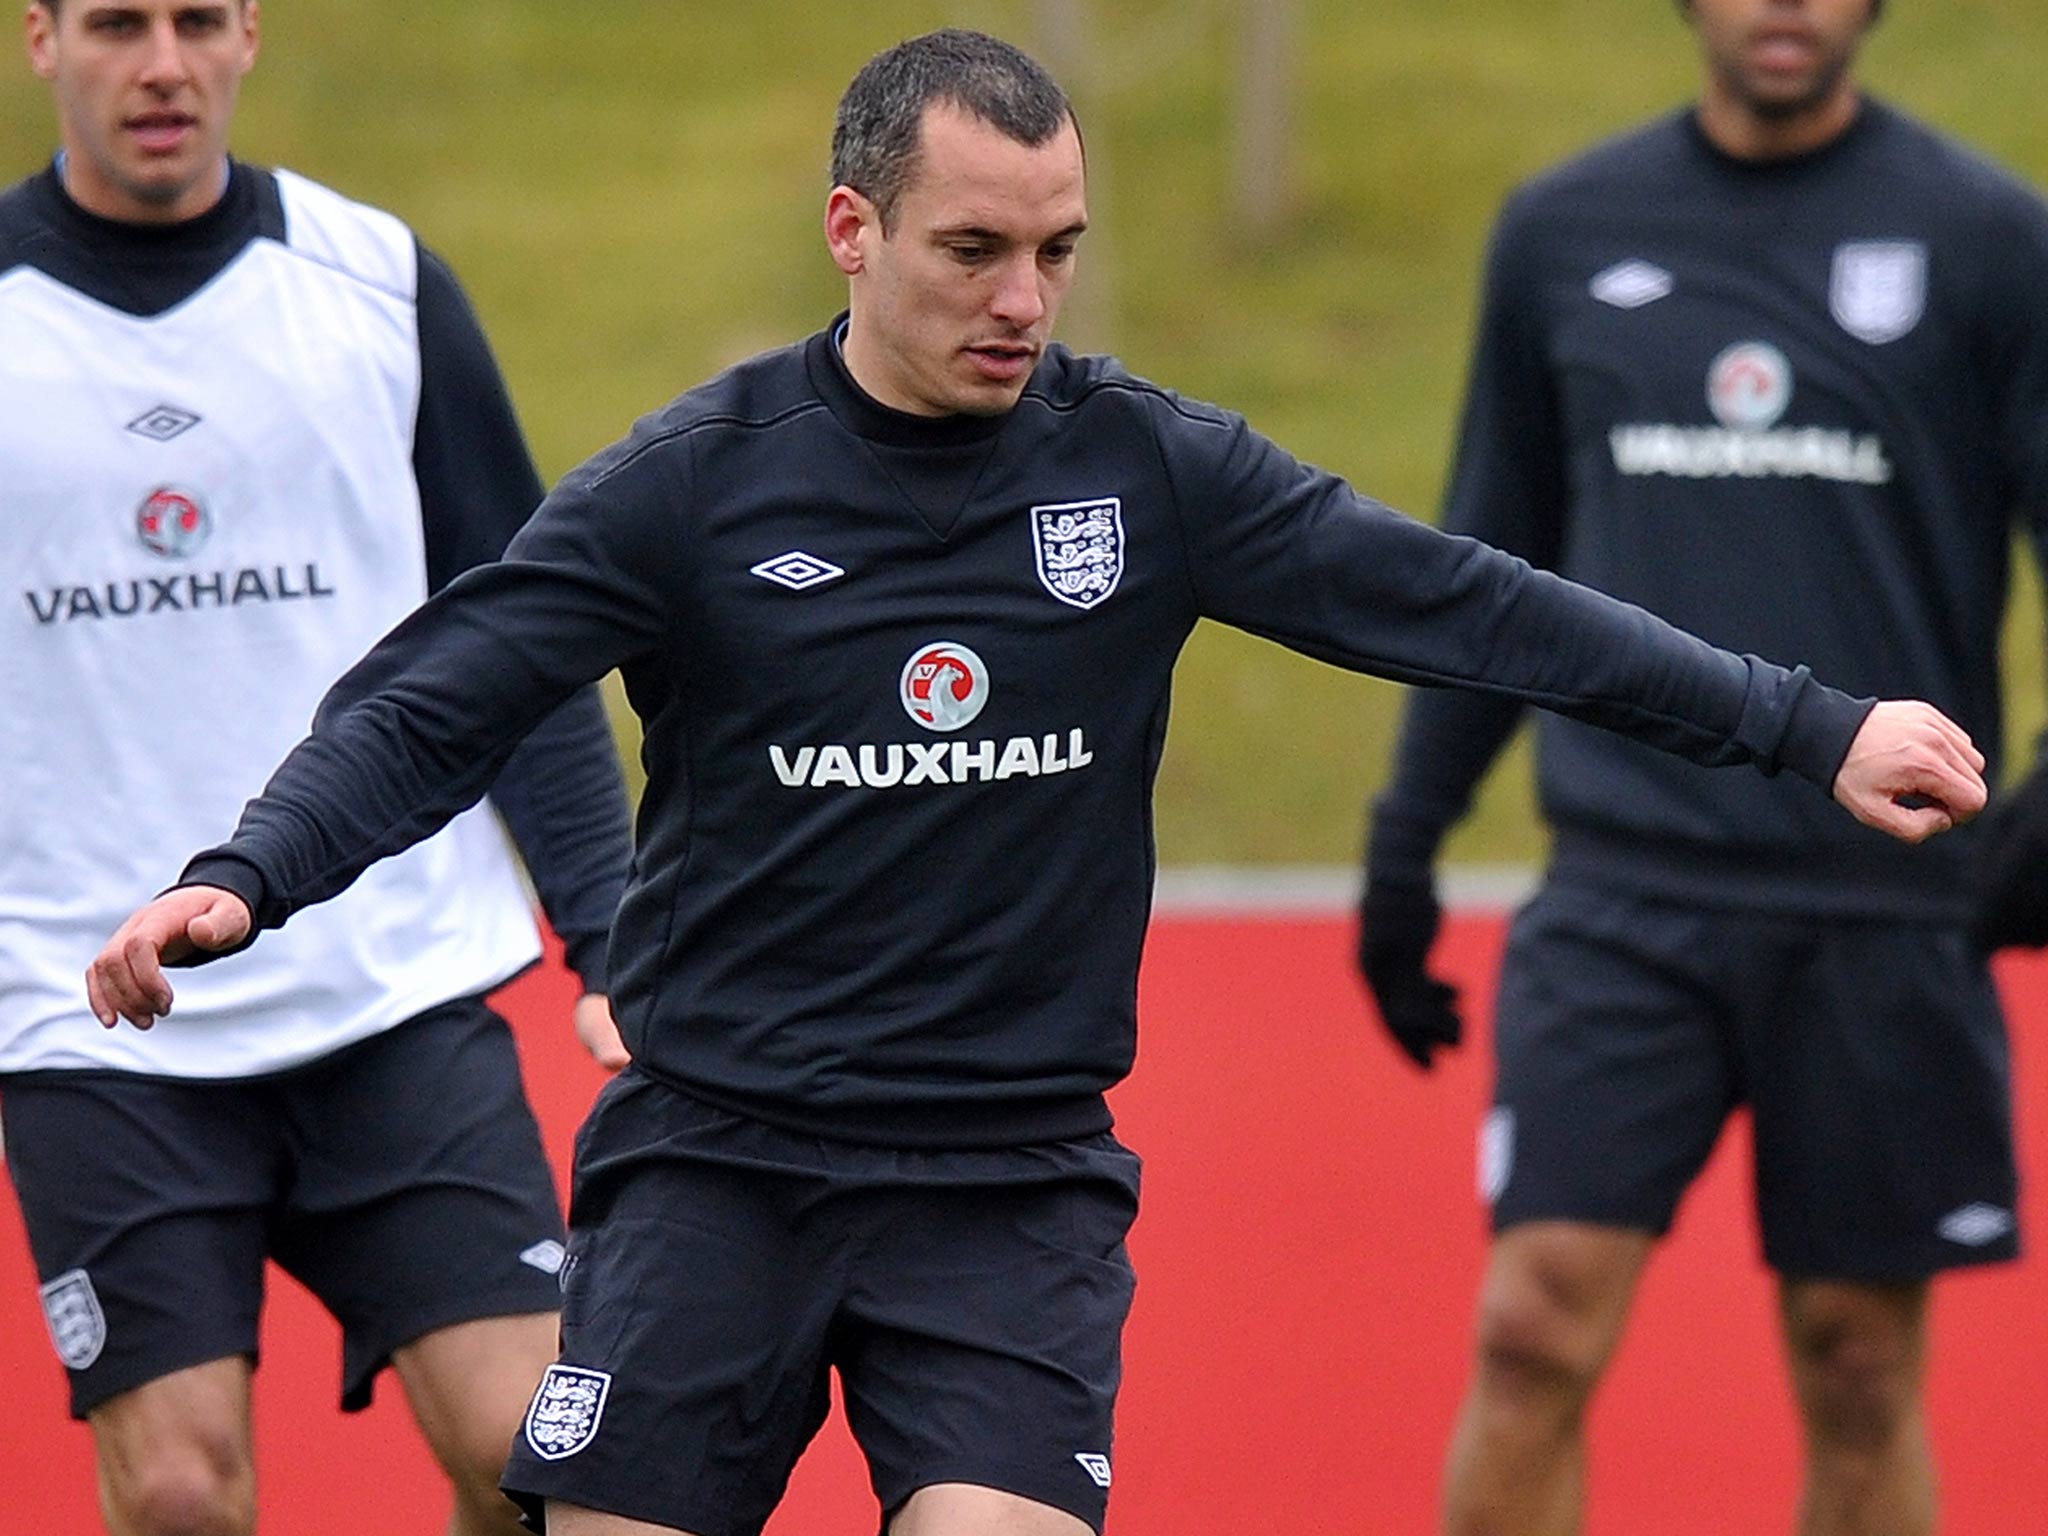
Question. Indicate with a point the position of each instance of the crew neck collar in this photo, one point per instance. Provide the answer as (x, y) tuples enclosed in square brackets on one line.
[(1869, 114), (235, 203), (867, 417)]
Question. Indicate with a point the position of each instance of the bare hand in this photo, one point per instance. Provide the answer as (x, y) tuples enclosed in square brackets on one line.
[(600, 1036), (1911, 772), (127, 980)]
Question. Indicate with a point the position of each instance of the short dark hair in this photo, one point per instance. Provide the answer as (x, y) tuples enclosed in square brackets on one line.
[(878, 132)]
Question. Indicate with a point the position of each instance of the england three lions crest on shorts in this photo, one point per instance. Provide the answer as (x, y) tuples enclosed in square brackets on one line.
[(77, 1325), (565, 1411), (1878, 288), (1079, 547)]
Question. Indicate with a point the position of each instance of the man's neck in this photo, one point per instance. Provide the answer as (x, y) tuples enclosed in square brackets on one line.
[(1739, 131), (106, 203)]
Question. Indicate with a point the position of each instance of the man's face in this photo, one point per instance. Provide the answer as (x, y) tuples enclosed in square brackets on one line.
[(952, 307), (145, 94), (1780, 58)]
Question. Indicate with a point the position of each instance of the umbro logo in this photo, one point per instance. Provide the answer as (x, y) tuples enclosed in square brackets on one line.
[(1976, 1224), (161, 423), (546, 1256), (1630, 284), (797, 571)]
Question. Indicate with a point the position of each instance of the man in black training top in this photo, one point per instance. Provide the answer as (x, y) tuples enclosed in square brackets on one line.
[(898, 606), (247, 425), (1777, 368)]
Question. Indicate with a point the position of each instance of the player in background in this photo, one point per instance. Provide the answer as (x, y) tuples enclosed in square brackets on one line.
[(247, 425), (1775, 366), (899, 607)]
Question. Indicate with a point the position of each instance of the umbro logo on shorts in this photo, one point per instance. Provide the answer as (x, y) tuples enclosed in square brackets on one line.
[(1976, 1224), (545, 1256), (566, 1408), (1097, 1467)]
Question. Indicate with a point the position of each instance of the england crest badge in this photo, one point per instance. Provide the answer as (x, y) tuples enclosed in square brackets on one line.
[(77, 1325), (1878, 288), (1079, 546), (566, 1407)]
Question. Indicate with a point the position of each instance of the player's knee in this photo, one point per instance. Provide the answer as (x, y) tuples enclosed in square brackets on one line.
[(187, 1491), (1546, 1324), (1535, 1354), (1859, 1371)]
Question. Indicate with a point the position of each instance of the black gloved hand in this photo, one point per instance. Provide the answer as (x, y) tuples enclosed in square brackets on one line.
[(2012, 868), (1397, 926)]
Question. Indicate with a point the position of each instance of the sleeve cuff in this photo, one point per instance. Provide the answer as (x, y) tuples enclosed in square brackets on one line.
[(1824, 722), (1401, 849), (238, 876), (586, 956)]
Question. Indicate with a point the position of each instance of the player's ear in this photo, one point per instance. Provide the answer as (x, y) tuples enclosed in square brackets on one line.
[(252, 33), (39, 29), (851, 223)]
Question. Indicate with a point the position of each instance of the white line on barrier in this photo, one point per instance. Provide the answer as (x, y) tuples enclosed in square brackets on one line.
[(1220, 890)]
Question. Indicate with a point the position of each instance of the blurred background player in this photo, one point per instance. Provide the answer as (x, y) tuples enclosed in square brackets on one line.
[(247, 425), (877, 962), (1777, 367)]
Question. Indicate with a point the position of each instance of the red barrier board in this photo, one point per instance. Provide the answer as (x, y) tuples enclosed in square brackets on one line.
[(1308, 1254)]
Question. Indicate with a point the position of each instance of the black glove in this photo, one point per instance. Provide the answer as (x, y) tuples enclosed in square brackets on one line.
[(2012, 868), (1397, 925)]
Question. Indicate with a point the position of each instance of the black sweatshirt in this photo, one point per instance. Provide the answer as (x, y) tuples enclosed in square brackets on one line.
[(904, 683), (1794, 407)]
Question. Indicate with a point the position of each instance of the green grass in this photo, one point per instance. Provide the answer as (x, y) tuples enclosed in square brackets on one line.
[(632, 192)]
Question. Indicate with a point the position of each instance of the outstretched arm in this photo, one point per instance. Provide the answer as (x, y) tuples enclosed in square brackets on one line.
[(561, 793)]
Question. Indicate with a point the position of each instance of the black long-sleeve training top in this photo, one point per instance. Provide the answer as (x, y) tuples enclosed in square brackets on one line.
[(904, 684), (1796, 407)]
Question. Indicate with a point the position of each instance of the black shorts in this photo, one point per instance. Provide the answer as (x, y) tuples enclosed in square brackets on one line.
[(401, 1179), (972, 1303), (1872, 1056)]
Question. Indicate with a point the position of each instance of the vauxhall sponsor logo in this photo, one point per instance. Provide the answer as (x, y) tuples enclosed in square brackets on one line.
[(943, 687), (1749, 385), (173, 522)]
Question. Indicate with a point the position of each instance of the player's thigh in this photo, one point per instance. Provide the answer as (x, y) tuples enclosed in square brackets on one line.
[(571, 1520), (1882, 1093), (1614, 1066), (700, 1289), (982, 1337), (179, 1446), (469, 1385), (961, 1509), (146, 1204), (422, 1198)]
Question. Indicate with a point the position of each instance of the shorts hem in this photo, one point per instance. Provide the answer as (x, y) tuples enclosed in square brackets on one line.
[(532, 1511), (1024, 1484), (1615, 1221), (104, 1391), (360, 1384), (1925, 1266)]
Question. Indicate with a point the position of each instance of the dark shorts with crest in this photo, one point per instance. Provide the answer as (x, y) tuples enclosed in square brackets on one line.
[(400, 1179), (972, 1303), (1871, 1055)]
